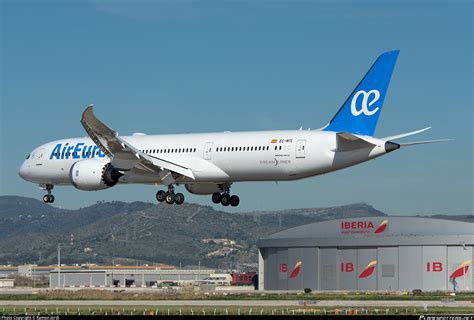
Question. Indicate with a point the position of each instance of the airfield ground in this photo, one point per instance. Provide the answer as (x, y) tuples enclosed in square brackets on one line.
[(99, 302), (118, 309)]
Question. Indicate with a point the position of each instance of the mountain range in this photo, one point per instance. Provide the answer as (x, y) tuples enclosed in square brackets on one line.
[(140, 232)]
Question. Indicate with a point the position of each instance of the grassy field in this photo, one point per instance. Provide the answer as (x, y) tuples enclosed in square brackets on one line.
[(143, 310), (189, 294)]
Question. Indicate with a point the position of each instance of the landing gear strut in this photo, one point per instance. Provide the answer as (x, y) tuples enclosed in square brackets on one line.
[(225, 198), (169, 196), (48, 198)]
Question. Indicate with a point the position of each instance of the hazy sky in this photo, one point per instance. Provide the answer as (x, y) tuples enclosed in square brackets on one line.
[(197, 66)]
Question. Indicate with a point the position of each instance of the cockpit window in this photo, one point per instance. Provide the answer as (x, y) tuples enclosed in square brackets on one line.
[(28, 157)]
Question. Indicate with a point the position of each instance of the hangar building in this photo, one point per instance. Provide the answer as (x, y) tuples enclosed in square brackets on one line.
[(376, 253)]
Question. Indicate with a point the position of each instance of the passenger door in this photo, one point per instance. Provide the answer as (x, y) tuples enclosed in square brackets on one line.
[(208, 150), (39, 156), (300, 148)]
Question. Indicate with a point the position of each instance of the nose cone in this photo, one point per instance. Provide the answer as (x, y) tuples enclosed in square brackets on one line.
[(23, 171)]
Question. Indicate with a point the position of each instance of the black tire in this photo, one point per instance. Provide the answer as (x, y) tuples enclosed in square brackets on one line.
[(169, 198), (179, 198), (51, 198), (46, 198), (234, 201), (160, 196), (216, 197), (225, 200)]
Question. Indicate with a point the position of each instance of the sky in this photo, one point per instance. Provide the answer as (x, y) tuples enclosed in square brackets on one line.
[(204, 66)]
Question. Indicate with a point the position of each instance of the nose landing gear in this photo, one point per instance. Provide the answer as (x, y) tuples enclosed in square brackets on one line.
[(169, 196), (47, 198)]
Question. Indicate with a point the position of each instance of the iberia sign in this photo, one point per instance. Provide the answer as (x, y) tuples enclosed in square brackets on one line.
[(362, 227)]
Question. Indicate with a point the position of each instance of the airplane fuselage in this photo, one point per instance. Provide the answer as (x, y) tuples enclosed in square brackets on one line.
[(215, 157)]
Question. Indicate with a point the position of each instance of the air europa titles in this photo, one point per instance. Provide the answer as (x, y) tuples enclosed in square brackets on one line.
[(76, 151)]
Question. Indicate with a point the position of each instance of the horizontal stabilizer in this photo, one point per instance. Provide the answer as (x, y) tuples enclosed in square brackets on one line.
[(347, 142), (423, 142), (403, 135)]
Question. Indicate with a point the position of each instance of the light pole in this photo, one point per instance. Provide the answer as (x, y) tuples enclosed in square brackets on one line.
[(59, 265)]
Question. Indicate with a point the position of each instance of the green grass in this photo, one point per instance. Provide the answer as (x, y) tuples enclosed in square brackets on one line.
[(189, 294), (186, 310), (465, 296)]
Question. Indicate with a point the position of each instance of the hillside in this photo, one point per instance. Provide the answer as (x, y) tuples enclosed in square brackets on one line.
[(141, 232)]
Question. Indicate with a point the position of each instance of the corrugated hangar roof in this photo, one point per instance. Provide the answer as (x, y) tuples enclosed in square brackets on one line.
[(374, 231)]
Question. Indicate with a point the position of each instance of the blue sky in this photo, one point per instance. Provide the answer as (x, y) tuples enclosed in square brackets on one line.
[(197, 66)]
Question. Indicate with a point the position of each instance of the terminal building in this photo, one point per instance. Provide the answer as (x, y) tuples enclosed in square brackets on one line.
[(124, 276), (376, 253)]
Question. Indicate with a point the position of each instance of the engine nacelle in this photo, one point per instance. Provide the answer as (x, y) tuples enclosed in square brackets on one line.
[(93, 174), (202, 188)]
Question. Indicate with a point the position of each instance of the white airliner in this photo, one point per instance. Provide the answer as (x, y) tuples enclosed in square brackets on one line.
[(209, 163)]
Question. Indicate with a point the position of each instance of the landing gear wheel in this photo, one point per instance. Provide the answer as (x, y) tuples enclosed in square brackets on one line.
[(160, 196), (216, 197), (169, 197), (48, 198), (225, 200), (234, 201), (179, 198)]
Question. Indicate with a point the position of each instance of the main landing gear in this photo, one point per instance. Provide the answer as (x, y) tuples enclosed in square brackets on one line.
[(48, 198), (225, 199), (169, 196)]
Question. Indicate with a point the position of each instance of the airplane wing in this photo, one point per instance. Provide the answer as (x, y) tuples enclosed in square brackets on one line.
[(125, 156), (403, 135), (423, 142)]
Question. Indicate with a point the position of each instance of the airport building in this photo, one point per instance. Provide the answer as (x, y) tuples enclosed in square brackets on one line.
[(123, 276), (376, 253)]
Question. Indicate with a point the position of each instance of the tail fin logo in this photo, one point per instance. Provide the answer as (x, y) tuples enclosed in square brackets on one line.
[(365, 103)]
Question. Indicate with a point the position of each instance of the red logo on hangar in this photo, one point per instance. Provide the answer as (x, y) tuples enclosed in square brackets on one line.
[(363, 227), (295, 272), (369, 270), (461, 270)]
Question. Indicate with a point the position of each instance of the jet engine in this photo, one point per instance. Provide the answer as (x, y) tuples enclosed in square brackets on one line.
[(202, 188), (93, 174)]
